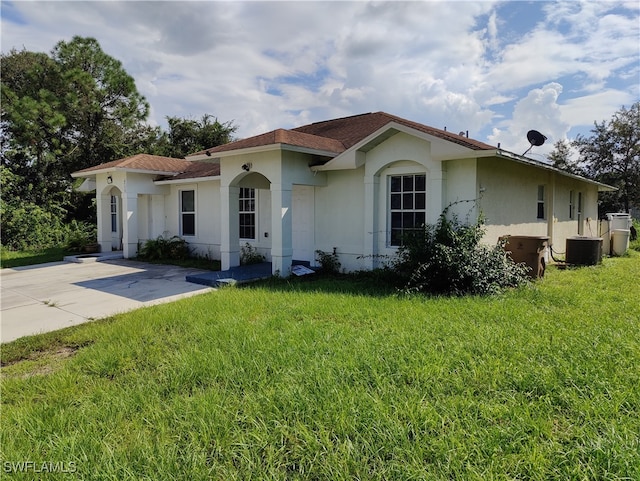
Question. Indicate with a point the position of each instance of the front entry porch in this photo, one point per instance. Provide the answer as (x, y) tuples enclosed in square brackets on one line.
[(233, 275)]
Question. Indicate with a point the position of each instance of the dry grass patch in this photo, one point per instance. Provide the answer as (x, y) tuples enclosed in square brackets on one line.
[(39, 363)]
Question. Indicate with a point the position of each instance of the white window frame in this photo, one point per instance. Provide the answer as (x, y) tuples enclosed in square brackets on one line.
[(113, 206), (247, 209), (572, 205), (541, 208), (184, 212), (580, 207), (402, 202)]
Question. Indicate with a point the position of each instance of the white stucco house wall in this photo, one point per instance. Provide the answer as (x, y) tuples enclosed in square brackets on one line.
[(351, 186)]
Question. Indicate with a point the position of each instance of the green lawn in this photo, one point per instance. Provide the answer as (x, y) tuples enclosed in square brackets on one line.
[(339, 379), (11, 258)]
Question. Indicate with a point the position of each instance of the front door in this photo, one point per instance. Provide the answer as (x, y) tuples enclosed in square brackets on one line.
[(303, 221)]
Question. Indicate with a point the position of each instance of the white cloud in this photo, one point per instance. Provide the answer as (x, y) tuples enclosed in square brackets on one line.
[(584, 111), (540, 111), (266, 65)]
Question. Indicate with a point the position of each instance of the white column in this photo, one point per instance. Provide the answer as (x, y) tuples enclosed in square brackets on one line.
[(371, 234), (229, 227), (435, 193), (281, 240), (103, 215), (129, 225)]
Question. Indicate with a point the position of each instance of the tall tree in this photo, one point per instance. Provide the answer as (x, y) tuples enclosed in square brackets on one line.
[(33, 123), (186, 136), (612, 156), (562, 159), (73, 109), (103, 105), (60, 113)]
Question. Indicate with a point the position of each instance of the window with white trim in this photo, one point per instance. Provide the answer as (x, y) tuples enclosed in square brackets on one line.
[(580, 224), (407, 205), (541, 207), (188, 212), (114, 213), (247, 212), (572, 207)]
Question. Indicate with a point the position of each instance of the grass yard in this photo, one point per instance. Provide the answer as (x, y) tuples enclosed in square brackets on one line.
[(339, 379), (11, 258)]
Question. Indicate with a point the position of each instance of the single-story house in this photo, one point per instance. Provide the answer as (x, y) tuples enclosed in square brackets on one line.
[(351, 186)]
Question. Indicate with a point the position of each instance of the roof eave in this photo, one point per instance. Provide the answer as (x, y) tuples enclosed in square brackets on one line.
[(536, 163), (93, 173), (189, 180), (215, 156)]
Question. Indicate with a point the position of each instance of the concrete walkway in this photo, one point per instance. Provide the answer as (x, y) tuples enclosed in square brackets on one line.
[(52, 296)]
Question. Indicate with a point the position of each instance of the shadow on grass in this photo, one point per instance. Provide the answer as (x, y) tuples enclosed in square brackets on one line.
[(365, 283)]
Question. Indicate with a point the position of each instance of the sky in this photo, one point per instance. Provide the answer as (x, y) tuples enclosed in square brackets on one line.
[(493, 68)]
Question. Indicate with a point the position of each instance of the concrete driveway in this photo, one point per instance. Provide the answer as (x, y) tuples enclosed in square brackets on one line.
[(52, 296)]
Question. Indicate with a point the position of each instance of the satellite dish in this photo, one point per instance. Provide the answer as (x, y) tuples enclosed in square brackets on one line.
[(535, 138)]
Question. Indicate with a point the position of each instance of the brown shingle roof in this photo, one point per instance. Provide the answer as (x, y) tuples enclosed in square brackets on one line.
[(281, 136), (351, 130), (338, 135), (142, 162), (185, 169), (198, 170)]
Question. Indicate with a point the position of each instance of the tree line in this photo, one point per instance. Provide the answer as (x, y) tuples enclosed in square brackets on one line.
[(611, 155), (64, 111)]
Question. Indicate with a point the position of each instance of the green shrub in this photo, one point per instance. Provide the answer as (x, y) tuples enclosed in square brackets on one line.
[(163, 248), (30, 226), (329, 262), (635, 243), (249, 255), (79, 235), (447, 258)]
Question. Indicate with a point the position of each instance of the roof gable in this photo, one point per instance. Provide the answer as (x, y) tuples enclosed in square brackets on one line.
[(339, 135), (352, 130)]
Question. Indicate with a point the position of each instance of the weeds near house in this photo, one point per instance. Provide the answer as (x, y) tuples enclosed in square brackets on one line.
[(163, 248), (80, 235), (635, 243), (250, 255), (448, 258), (341, 379), (329, 262)]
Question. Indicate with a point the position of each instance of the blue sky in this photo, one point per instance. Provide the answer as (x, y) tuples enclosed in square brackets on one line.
[(496, 69)]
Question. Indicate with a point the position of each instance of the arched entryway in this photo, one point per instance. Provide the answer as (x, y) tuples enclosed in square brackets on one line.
[(246, 217), (110, 229)]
